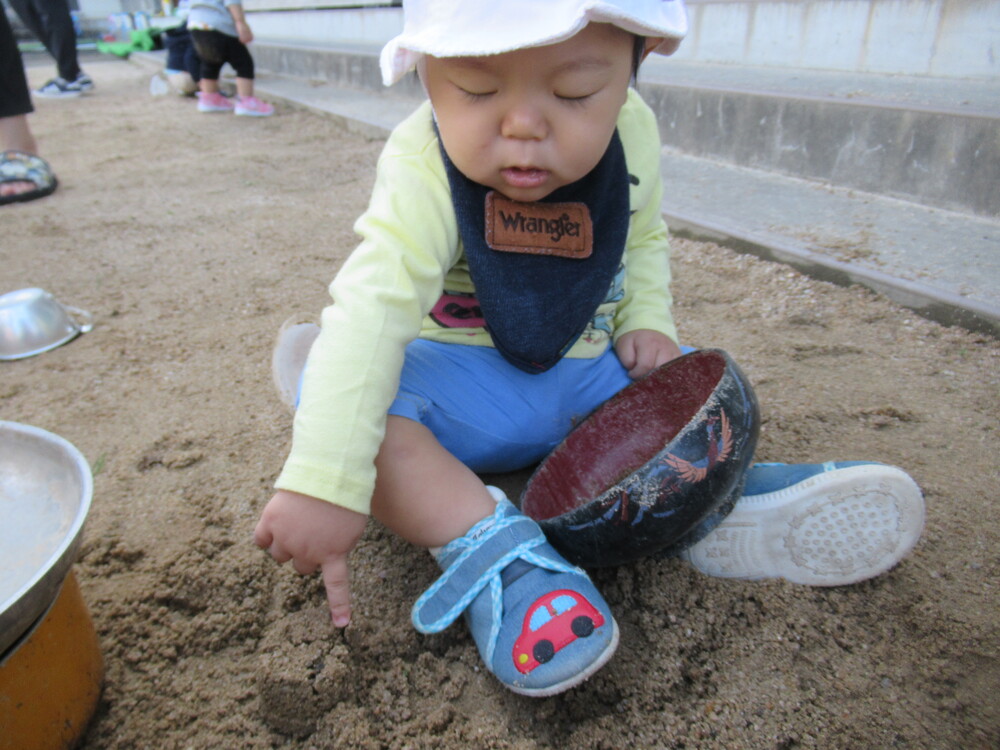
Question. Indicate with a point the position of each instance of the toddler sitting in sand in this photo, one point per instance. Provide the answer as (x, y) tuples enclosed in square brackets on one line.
[(463, 339)]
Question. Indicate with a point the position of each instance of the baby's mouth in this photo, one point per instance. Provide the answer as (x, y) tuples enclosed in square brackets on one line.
[(524, 177)]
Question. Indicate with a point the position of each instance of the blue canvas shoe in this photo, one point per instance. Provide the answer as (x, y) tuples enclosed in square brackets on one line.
[(539, 623), (827, 524)]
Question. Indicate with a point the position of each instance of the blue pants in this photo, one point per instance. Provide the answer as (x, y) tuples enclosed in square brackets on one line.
[(492, 416)]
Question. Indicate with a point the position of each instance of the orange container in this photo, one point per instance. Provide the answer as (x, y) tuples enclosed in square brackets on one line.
[(51, 680)]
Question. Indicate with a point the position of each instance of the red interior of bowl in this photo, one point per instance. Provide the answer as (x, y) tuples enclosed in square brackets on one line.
[(623, 434)]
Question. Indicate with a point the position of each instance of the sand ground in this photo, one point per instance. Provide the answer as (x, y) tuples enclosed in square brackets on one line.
[(192, 237)]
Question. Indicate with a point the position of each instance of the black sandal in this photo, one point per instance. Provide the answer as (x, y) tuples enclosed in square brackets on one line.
[(19, 166)]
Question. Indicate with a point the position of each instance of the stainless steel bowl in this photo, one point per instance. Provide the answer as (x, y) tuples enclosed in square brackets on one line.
[(32, 321), (45, 492)]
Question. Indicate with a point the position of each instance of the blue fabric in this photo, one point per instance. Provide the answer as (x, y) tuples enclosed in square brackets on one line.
[(181, 55), (500, 572), (537, 306), (492, 416), (767, 477), (468, 569)]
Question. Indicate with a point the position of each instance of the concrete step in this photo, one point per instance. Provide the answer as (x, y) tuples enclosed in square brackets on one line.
[(943, 264), (931, 141)]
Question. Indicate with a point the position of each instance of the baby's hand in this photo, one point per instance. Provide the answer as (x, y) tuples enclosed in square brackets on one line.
[(313, 534), (642, 351)]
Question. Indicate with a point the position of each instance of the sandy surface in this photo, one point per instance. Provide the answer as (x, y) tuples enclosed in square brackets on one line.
[(192, 237)]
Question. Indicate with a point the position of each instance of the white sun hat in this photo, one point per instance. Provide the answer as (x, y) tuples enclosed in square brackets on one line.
[(461, 28)]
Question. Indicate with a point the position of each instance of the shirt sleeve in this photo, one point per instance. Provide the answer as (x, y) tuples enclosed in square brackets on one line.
[(380, 297), (647, 302)]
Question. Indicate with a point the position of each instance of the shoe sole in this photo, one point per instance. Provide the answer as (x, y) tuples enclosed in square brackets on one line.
[(295, 339), (833, 529), (247, 113), (61, 95), (576, 679)]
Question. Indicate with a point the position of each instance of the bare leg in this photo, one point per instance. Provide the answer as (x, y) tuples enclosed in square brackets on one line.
[(209, 85), (429, 498), (244, 86), (16, 135), (423, 493)]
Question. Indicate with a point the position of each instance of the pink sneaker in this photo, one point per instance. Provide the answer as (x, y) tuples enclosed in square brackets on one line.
[(214, 102), (252, 106)]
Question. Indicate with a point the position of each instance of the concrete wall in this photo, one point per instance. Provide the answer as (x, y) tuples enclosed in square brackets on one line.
[(917, 37), (364, 26), (101, 9), (945, 38), (943, 160)]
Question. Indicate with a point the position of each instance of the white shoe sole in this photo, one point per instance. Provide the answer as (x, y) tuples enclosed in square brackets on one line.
[(295, 339), (835, 528), (60, 95)]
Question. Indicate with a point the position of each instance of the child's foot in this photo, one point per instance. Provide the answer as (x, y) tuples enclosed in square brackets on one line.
[(540, 624), (24, 177), (818, 524), (60, 88), (253, 107), (85, 82), (288, 360), (213, 102)]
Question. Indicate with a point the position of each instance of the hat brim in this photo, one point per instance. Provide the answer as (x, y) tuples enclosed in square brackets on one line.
[(402, 53)]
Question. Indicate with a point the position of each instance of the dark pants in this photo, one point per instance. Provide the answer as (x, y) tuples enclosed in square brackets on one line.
[(51, 22), (215, 49), (15, 98), (181, 54)]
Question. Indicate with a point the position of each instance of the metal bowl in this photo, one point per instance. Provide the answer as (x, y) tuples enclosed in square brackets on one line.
[(32, 321), (45, 492), (649, 467)]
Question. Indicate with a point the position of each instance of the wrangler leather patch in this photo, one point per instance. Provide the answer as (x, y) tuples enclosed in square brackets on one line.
[(562, 229)]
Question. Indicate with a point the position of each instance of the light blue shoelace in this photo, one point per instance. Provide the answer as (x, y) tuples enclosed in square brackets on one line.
[(490, 577)]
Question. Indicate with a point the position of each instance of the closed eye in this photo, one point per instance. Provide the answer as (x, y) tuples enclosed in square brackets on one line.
[(475, 95), (574, 99)]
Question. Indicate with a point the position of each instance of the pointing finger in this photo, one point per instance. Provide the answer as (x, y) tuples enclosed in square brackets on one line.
[(337, 579)]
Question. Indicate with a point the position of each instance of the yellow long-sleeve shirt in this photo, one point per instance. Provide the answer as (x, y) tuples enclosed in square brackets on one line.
[(409, 254)]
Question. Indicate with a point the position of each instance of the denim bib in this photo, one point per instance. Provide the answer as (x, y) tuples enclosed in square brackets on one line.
[(542, 269)]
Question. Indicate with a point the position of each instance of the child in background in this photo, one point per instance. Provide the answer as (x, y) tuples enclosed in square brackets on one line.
[(460, 341), (221, 34), (52, 22), (183, 68)]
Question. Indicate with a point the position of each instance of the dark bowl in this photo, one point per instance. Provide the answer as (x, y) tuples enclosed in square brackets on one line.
[(639, 475)]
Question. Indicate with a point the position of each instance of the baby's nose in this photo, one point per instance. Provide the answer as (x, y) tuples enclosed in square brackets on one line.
[(524, 122)]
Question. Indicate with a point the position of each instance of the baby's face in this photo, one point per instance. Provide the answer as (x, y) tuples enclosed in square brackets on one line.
[(528, 122)]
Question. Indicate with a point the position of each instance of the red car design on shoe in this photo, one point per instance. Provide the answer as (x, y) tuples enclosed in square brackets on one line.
[(552, 623)]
